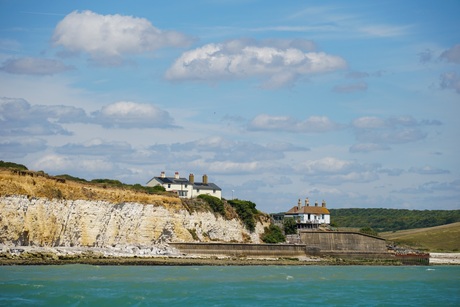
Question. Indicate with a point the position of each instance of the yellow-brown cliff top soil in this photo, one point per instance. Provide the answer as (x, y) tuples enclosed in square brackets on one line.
[(36, 184)]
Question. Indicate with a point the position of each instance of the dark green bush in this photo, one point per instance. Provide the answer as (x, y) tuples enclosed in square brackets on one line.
[(290, 226), (273, 234), (246, 210), (12, 165), (216, 204)]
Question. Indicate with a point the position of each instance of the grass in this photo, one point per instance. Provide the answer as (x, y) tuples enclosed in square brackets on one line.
[(444, 238), (35, 184)]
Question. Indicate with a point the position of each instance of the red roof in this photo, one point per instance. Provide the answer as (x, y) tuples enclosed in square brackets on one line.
[(308, 210)]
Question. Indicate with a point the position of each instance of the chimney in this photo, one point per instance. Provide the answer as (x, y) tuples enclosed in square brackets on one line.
[(191, 178), (162, 175), (176, 175), (323, 204), (316, 203), (205, 179), (307, 202), (299, 204)]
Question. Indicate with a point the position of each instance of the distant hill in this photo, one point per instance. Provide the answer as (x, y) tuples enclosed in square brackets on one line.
[(445, 238), (392, 219)]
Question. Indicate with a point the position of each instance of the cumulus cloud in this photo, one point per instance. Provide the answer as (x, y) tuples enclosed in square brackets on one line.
[(350, 88), (106, 38), (375, 133), (265, 122), (74, 165), (330, 170), (277, 64), (20, 147), (34, 66), (452, 55), (18, 117), (221, 149), (450, 80), (127, 114)]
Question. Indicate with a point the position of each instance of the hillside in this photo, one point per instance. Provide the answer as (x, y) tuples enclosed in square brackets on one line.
[(445, 238), (392, 219)]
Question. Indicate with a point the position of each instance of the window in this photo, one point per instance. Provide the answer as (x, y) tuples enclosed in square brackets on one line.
[(169, 185), (198, 190), (185, 186), (182, 193), (214, 191)]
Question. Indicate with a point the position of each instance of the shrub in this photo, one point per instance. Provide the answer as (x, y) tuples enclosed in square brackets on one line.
[(246, 211), (216, 204), (290, 226), (12, 165), (273, 234)]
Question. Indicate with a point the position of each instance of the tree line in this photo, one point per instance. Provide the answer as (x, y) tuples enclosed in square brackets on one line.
[(392, 219)]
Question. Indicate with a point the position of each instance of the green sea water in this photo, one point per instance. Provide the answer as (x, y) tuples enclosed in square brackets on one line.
[(84, 285)]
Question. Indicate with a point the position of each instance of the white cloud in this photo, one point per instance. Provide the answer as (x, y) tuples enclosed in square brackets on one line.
[(240, 59), (331, 171), (127, 114), (62, 164), (34, 66), (393, 130), (368, 122), (108, 37), (18, 117), (289, 124)]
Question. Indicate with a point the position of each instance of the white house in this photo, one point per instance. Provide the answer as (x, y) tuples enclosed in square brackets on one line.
[(186, 188), (309, 216)]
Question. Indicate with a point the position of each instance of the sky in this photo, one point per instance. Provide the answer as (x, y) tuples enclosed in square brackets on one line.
[(351, 102)]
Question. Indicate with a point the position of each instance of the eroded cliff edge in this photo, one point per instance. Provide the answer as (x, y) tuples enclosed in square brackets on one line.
[(80, 218)]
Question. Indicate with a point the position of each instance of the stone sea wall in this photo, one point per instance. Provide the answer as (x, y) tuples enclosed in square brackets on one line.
[(28, 221)]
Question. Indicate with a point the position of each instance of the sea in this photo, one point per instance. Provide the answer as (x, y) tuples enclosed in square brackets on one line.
[(86, 285)]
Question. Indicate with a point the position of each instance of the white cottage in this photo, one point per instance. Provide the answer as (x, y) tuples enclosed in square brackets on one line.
[(186, 188), (309, 216)]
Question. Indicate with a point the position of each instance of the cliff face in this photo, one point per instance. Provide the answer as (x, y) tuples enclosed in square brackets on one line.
[(43, 222)]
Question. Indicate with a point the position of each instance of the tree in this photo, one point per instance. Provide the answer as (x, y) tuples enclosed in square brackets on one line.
[(273, 234), (290, 226)]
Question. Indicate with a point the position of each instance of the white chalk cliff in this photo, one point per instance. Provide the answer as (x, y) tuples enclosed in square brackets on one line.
[(32, 221)]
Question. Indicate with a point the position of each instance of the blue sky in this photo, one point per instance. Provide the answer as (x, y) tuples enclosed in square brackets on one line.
[(353, 102)]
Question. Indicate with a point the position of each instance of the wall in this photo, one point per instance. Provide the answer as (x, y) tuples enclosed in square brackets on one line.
[(241, 250), (342, 241)]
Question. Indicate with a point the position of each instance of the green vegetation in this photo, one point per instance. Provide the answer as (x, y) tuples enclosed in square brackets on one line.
[(216, 204), (273, 234), (12, 165), (246, 211), (290, 226), (369, 231), (392, 219), (443, 238), (71, 178)]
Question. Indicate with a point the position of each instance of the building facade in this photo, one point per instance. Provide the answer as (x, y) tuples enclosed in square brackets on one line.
[(306, 216), (186, 188)]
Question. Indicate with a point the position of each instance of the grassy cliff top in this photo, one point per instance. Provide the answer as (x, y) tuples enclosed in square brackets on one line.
[(39, 184)]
